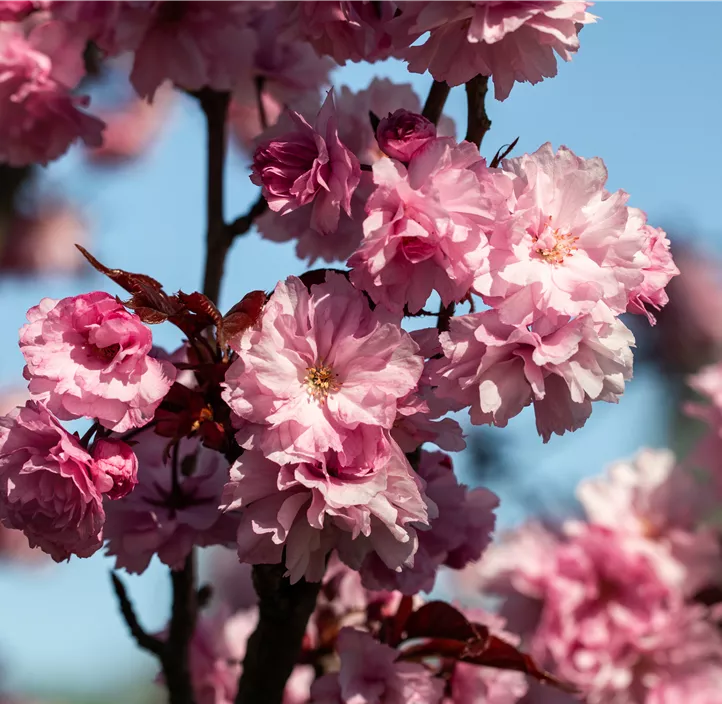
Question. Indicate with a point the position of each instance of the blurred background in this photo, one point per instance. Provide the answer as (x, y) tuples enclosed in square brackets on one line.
[(642, 93)]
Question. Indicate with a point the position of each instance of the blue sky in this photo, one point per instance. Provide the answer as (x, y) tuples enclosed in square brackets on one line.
[(643, 93)]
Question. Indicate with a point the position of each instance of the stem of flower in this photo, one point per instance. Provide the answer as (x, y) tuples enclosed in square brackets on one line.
[(478, 123), (274, 648)]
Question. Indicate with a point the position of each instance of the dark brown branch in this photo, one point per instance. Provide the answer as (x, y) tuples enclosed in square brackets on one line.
[(478, 121), (143, 639), (274, 648), (262, 118), (434, 105), (182, 624), (445, 315), (215, 108), (241, 225)]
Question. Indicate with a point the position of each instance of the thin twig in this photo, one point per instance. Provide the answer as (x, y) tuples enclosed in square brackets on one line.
[(262, 118), (241, 225), (478, 123), (445, 315), (144, 640), (434, 105)]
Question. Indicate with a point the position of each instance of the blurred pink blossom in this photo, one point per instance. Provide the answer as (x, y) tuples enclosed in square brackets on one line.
[(173, 507)]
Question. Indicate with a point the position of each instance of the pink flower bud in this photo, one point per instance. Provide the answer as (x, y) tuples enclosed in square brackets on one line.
[(117, 468), (403, 133)]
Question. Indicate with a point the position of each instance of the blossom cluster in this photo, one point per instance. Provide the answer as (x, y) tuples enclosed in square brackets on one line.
[(612, 603)]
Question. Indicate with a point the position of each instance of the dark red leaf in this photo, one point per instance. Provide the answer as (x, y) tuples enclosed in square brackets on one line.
[(437, 619), (125, 279), (241, 317), (202, 306)]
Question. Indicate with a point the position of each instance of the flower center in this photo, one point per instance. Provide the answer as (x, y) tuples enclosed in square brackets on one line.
[(106, 354), (320, 381), (553, 245)]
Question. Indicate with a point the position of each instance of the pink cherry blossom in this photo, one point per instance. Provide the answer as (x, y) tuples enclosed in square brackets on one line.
[(471, 684), (401, 134), (41, 118), (117, 466), (87, 356), (353, 31), (654, 498), (16, 10), (423, 231), (507, 41), (560, 366), (659, 272), (457, 536), (566, 244), (370, 673), (320, 371), (707, 383), (173, 507), (309, 165), (41, 240), (304, 511), (47, 485)]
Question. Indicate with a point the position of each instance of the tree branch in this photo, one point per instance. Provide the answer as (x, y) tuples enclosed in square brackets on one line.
[(215, 108), (478, 123), (445, 315), (143, 639), (434, 105), (241, 225), (274, 648)]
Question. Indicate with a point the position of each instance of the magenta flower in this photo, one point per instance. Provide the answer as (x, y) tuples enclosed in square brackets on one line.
[(424, 228), (309, 166), (562, 243), (41, 117), (117, 466), (87, 356), (370, 672), (458, 535), (507, 41), (304, 511), (657, 274), (560, 366), (173, 507), (320, 371), (401, 134), (49, 488)]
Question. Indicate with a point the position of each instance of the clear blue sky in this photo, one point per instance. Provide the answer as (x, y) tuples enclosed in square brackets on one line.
[(643, 93)]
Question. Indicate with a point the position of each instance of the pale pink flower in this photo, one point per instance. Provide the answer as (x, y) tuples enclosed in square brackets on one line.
[(173, 507), (657, 274), (117, 467), (652, 497), (47, 485), (15, 548), (402, 133), (301, 512), (472, 684), (560, 366), (423, 231), (309, 166), (563, 242), (507, 41), (42, 241), (232, 580), (353, 31), (320, 371), (708, 384), (371, 673), (41, 118), (87, 356), (459, 534)]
